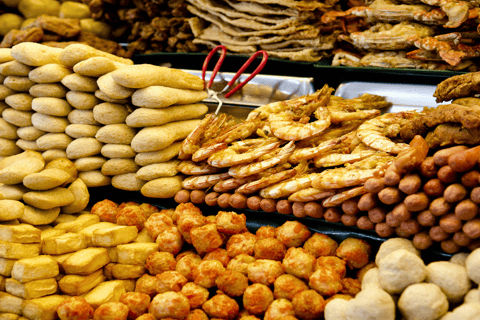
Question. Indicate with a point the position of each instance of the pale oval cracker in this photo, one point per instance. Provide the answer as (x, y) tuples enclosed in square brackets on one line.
[(54, 90), (46, 179), (54, 141), (5, 162), (19, 84), (3, 106), (76, 53), (170, 152), (128, 182), (115, 167), (82, 100), (112, 89), (9, 147), (78, 116), (94, 178), (6, 55), (11, 209), (15, 68), (5, 91), (15, 172), (28, 145), (80, 191), (113, 150), (147, 117), (49, 199), (97, 66), (83, 147), (13, 192), (35, 54), (162, 188), (110, 113), (20, 101), (118, 133), (54, 154), (52, 106), (102, 96), (18, 118), (49, 123), (81, 130), (49, 73), (36, 216), (89, 163), (66, 165), (158, 170), (77, 82), (8, 130), (30, 133), (161, 97)]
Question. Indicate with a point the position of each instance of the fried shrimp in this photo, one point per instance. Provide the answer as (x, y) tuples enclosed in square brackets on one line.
[(285, 188), (231, 156), (376, 132), (204, 181), (195, 168), (343, 196), (270, 179), (337, 159), (310, 194), (312, 152)]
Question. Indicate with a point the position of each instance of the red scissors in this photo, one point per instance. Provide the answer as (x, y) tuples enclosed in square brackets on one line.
[(214, 94)]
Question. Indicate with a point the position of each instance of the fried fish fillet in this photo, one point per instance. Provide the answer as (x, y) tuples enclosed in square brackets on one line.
[(460, 86), (452, 133)]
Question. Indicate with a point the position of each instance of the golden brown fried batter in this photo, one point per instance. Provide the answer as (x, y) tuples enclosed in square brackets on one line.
[(463, 85), (452, 133)]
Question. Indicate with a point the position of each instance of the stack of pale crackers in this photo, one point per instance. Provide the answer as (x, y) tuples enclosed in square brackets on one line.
[(121, 124)]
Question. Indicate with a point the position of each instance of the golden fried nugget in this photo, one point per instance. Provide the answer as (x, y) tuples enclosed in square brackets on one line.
[(35, 268), (116, 150), (9, 147), (46, 179), (42, 308), (86, 261), (21, 233), (20, 101), (12, 250), (158, 170), (16, 172)]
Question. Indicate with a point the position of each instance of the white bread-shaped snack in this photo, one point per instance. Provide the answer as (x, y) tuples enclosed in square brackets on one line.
[(108, 291), (8, 130), (35, 268), (15, 68), (5, 91), (35, 54), (80, 192), (12, 250), (147, 117), (30, 133), (36, 216), (118, 133), (86, 261), (27, 145), (145, 75), (49, 123), (6, 55), (89, 163), (75, 53), (87, 232), (6, 266), (82, 100), (115, 167), (135, 253), (112, 253), (128, 271), (94, 178), (44, 308), (20, 101), (170, 152), (52, 106), (20, 233), (143, 237), (83, 147), (17, 117), (76, 82), (76, 130), (13, 192), (66, 165), (110, 113), (10, 303), (46, 179), (112, 89), (97, 66), (11, 209), (54, 90), (16, 172), (53, 154), (19, 84), (5, 162), (82, 117), (81, 222), (61, 258), (54, 141), (102, 96), (76, 285), (162, 188), (49, 73), (49, 199), (52, 232), (65, 243), (116, 150), (158, 170), (157, 138), (31, 290), (127, 181), (9, 147), (113, 236), (161, 97)]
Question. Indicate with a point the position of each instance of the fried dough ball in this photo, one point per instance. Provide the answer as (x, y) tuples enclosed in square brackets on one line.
[(111, 310), (279, 309), (75, 308), (132, 216), (150, 209), (240, 263), (371, 279), (187, 265), (265, 232), (219, 255), (185, 208), (221, 306), (170, 240), (451, 278), (158, 262), (270, 248), (393, 244), (287, 286), (185, 253), (186, 222), (169, 304), (373, 303), (241, 243), (207, 272), (128, 204), (158, 223), (299, 262), (146, 284), (308, 305), (292, 233), (320, 244), (146, 316), (265, 271), (206, 238), (336, 264), (232, 283), (473, 266), (423, 301), (363, 270), (229, 222), (257, 298), (196, 295), (335, 309), (197, 314), (170, 281), (356, 252), (137, 303), (351, 286), (106, 209), (325, 281)]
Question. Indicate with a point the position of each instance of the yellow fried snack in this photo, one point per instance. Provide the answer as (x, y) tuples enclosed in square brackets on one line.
[(35, 268), (20, 233), (97, 66), (112, 89), (44, 308), (118, 133), (83, 147), (17, 117), (6, 266), (135, 253), (80, 192), (117, 150), (49, 123), (46, 179), (82, 100), (89, 163), (127, 271), (15, 68), (49, 73), (35, 54), (147, 117), (127, 181), (158, 170), (52, 106), (12, 250), (76, 53), (65, 243), (146, 158), (10, 303), (49, 199), (11, 209), (75, 130), (20, 101), (16, 83), (88, 231), (110, 113), (31, 290), (54, 90), (113, 236), (94, 178), (163, 188), (86, 261), (115, 167), (36, 217), (107, 291), (54, 154), (76, 285), (16, 172), (77, 82), (9, 147), (84, 220), (52, 141), (160, 97)]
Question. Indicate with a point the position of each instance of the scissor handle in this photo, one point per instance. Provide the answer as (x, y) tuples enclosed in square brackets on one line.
[(217, 65), (245, 66)]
